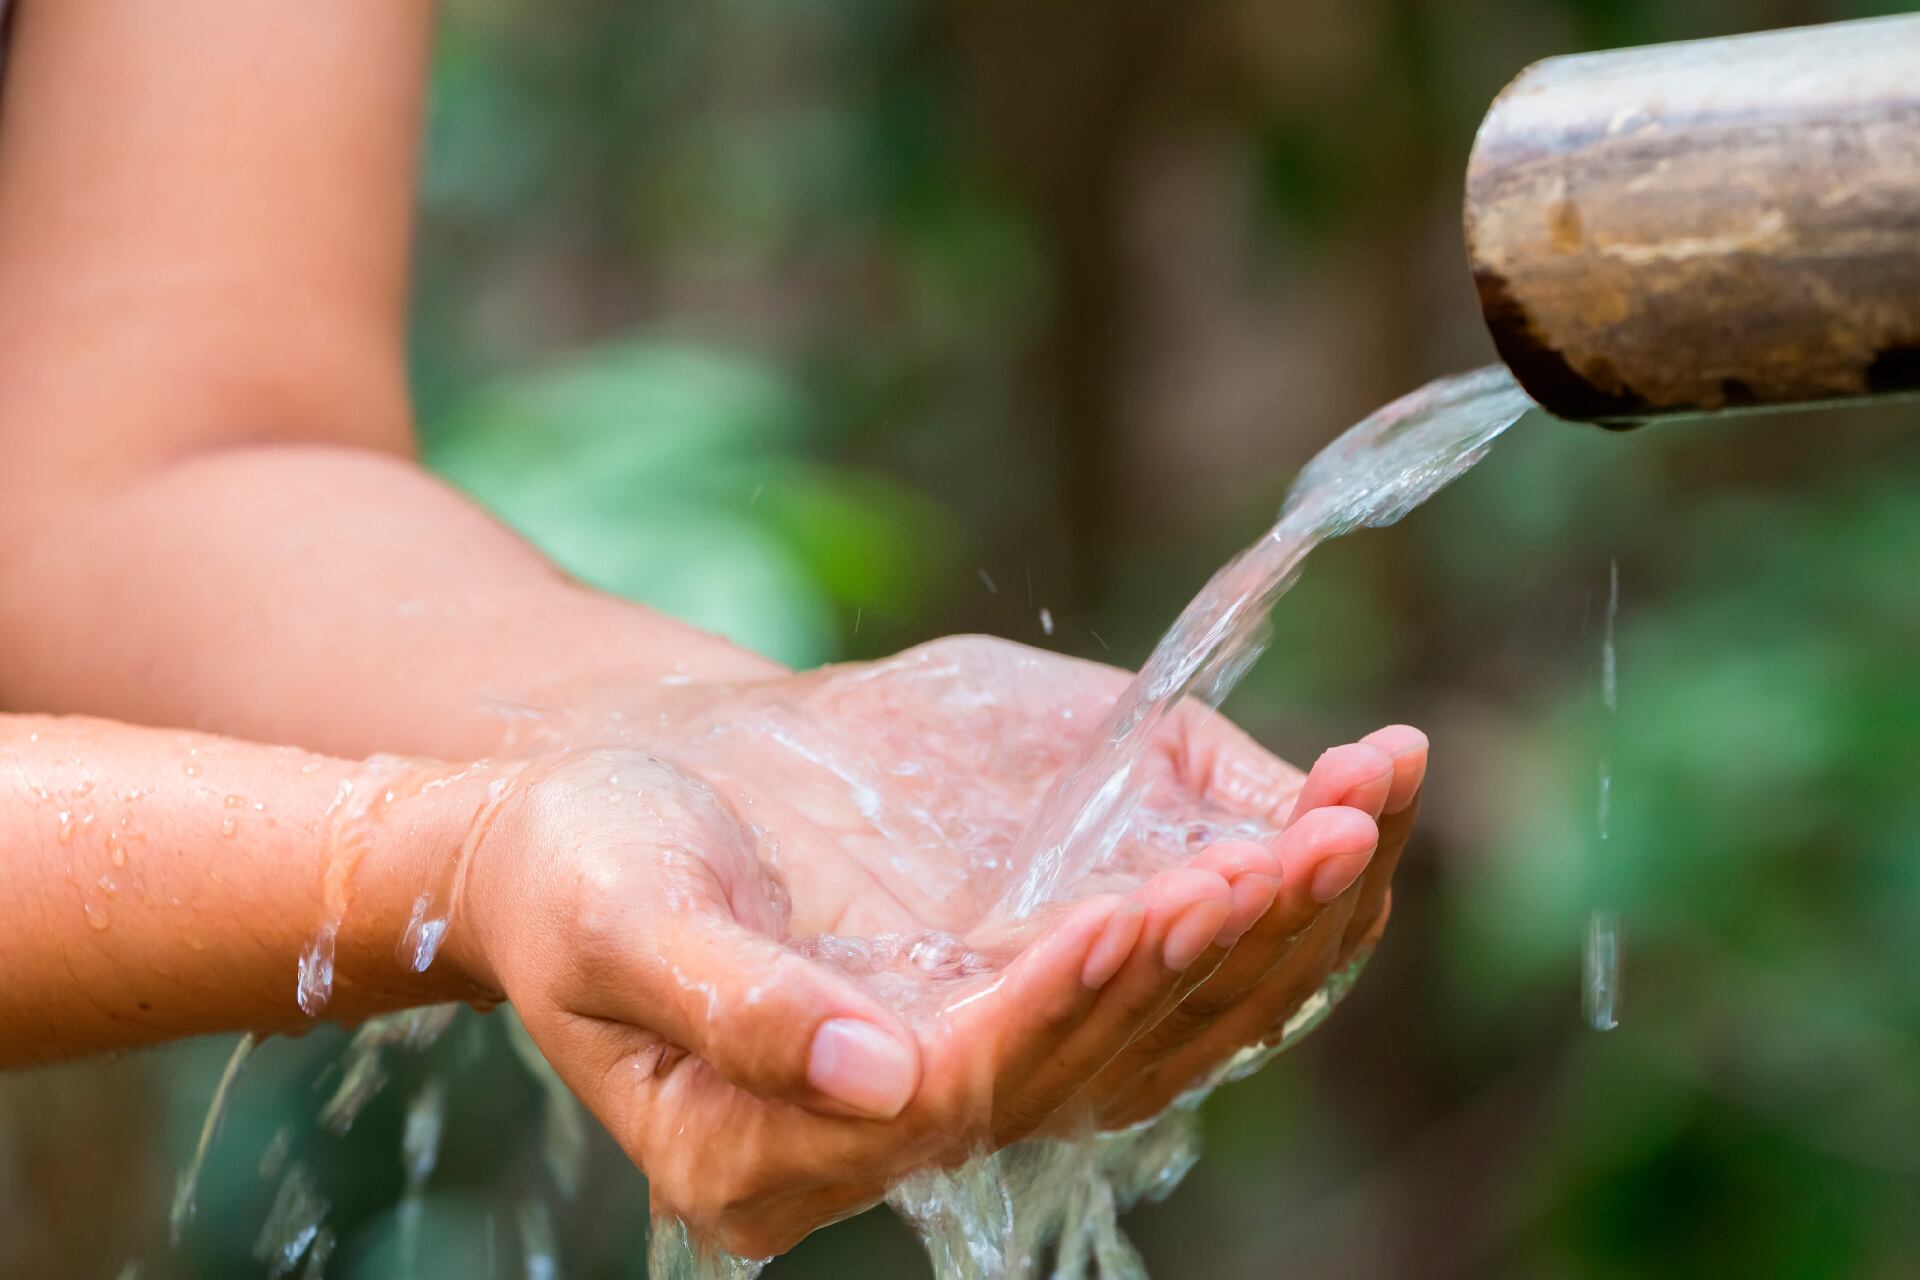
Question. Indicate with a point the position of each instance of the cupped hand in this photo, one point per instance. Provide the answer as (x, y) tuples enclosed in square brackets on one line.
[(625, 907), (889, 799)]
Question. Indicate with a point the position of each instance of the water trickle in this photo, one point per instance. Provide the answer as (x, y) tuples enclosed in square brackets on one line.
[(293, 1229), (563, 1123), (419, 1151), (362, 1074), (357, 806), (420, 1140), (1600, 952), (538, 1250), (181, 1212), (433, 909)]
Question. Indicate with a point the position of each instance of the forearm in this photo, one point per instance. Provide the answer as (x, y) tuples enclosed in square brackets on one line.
[(207, 513), (339, 599), (158, 884)]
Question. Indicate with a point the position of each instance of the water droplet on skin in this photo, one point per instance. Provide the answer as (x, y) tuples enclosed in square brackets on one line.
[(96, 916), (235, 802), (191, 769), (228, 826)]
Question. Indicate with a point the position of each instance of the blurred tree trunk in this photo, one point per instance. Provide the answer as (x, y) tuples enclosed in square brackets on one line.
[(1059, 94)]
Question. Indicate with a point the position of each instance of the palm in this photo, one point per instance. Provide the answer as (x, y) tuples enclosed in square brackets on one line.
[(889, 797), (869, 817)]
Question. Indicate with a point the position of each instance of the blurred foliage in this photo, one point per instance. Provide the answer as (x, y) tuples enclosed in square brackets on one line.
[(834, 327), (678, 477)]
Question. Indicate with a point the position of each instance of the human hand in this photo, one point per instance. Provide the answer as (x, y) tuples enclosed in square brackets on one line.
[(628, 911), (897, 792)]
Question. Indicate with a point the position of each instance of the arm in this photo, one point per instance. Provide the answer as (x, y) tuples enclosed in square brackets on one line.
[(209, 510), (155, 885)]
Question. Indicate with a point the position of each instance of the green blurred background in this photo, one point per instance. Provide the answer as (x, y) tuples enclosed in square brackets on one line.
[(839, 326)]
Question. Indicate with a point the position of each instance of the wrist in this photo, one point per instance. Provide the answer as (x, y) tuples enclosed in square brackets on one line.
[(399, 838), (453, 922)]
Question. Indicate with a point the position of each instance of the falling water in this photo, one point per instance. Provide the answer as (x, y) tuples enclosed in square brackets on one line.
[(183, 1192), (1374, 474), (995, 1217), (1040, 1203), (1600, 960)]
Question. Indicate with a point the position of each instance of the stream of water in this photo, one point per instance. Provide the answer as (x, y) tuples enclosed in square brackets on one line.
[(1043, 1205), (1600, 960), (1008, 1215)]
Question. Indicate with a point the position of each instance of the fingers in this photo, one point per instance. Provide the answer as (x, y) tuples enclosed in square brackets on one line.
[(1055, 1040), (770, 1021), (1407, 747), (1255, 1019), (1359, 775), (1312, 862)]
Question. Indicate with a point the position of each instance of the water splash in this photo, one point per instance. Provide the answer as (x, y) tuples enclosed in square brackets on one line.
[(1045, 1204), (184, 1187), (996, 1216)]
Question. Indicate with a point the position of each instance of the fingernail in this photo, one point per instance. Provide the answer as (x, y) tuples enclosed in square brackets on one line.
[(1401, 797), (1113, 946), (1336, 875), (1252, 895), (1193, 933), (859, 1064)]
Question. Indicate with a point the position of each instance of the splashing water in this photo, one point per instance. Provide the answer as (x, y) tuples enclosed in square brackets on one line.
[(995, 1217), (1600, 956), (1043, 1204)]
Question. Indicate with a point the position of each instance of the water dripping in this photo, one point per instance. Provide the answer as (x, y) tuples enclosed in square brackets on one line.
[(1600, 953), (293, 1226), (538, 1249), (419, 1152), (563, 1124), (362, 1075), (181, 1212)]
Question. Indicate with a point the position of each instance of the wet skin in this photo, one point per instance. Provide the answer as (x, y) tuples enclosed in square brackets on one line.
[(689, 1030)]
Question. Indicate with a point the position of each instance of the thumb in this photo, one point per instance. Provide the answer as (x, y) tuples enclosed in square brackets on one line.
[(769, 1020)]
